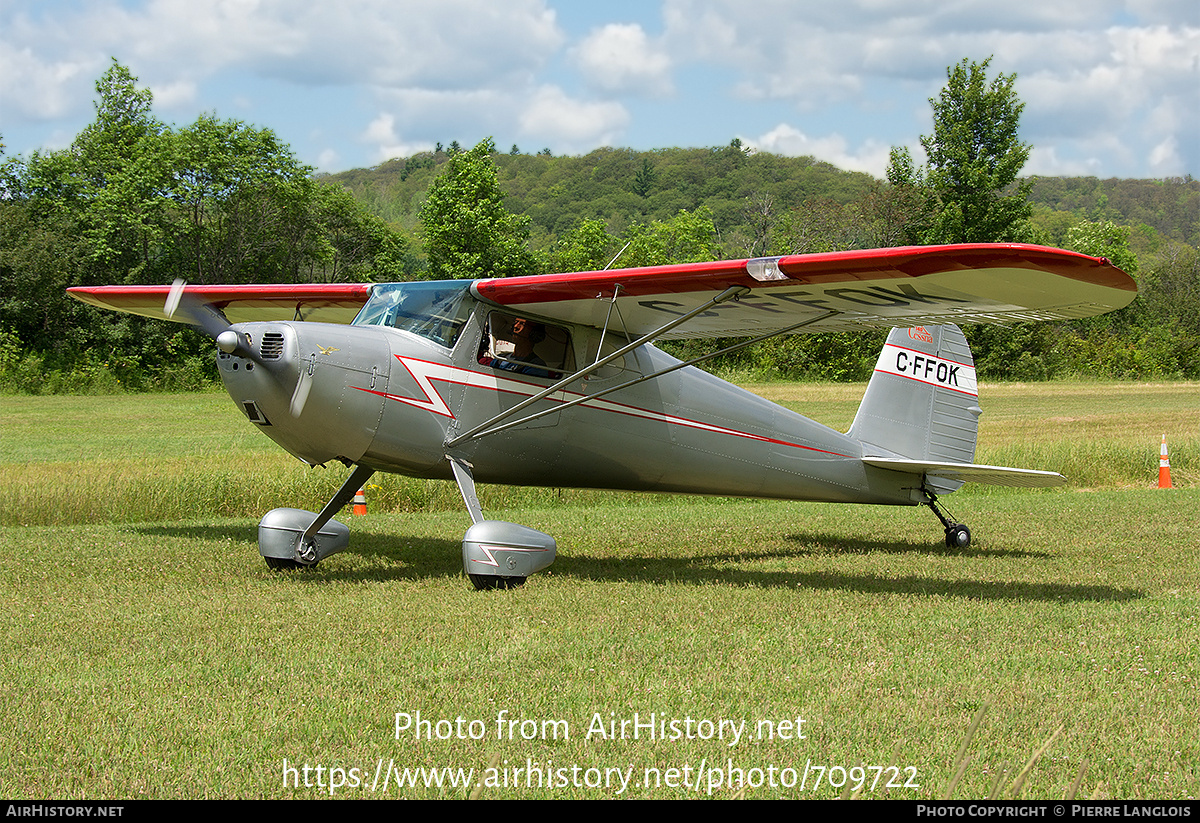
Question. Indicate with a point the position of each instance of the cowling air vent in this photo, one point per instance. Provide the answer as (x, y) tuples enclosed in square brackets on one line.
[(271, 347)]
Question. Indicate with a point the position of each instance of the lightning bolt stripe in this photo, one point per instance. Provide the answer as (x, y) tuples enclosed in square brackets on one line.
[(491, 558), (424, 372)]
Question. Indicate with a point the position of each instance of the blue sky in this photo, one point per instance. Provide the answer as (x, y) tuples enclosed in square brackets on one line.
[(1111, 89)]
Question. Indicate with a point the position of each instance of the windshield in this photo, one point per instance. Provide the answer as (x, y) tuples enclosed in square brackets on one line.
[(435, 310)]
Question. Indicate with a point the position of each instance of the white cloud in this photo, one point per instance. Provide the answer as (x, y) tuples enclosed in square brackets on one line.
[(381, 130), (170, 95), (871, 156), (569, 125), (328, 160), (430, 43), (1047, 162), (41, 90), (1111, 86), (621, 58), (381, 133), (1165, 157), (439, 44)]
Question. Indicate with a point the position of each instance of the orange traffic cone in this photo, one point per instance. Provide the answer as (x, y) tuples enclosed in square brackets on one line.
[(1164, 467), (360, 501)]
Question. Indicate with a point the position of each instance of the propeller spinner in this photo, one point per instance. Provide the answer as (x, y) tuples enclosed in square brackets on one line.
[(229, 340)]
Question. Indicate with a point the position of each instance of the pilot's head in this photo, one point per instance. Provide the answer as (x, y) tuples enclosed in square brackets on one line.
[(528, 329)]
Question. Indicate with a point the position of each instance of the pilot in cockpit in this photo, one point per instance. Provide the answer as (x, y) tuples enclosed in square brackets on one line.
[(513, 345)]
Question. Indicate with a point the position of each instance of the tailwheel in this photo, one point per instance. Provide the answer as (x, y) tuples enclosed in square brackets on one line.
[(485, 582), (958, 536)]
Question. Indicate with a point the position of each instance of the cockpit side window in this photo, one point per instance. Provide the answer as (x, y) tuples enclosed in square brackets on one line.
[(525, 346), (436, 310)]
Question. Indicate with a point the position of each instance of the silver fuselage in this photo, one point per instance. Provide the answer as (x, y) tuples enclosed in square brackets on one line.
[(391, 399)]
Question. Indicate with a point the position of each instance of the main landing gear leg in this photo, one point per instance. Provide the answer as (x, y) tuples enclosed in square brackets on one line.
[(958, 536), (294, 538), (498, 555)]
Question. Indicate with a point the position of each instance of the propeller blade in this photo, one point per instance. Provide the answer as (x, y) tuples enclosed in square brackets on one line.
[(173, 296), (206, 318), (300, 395), (199, 314)]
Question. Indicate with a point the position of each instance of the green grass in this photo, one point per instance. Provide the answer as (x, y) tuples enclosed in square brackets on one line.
[(1098, 434), (149, 655), (171, 457)]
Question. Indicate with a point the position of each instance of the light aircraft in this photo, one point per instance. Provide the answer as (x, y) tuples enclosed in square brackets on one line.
[(553, 380)]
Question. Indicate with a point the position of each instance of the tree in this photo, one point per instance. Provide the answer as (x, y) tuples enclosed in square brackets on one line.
[(688, 237), (1104, 239), (817, 225), (243, 208), (758, 213), (974, 157), (643, 180), (587, 247), (354, 244), (134, 201), (466, 228)]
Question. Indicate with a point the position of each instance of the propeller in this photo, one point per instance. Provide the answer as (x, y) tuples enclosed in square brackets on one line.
[(300, 393), (214, 324), (207, 319)]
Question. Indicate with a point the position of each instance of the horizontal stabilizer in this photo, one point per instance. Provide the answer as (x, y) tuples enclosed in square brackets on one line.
[(971, 472)]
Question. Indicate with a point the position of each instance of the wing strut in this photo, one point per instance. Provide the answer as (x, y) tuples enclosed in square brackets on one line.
[(634, 382), (731, 293), (612, 304)]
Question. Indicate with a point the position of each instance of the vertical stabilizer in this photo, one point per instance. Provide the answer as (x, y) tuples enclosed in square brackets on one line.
[(922, 402)]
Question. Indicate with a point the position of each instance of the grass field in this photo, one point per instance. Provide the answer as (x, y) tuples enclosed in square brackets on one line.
[(148, 652)]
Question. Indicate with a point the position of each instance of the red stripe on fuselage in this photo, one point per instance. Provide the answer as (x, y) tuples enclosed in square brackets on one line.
[(424, 372)]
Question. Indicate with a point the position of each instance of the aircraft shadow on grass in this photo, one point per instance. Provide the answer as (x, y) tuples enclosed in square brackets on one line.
[(424, 558), (818, 543)]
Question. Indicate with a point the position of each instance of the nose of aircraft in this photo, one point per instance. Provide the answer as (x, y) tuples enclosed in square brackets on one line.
[(310, 387)]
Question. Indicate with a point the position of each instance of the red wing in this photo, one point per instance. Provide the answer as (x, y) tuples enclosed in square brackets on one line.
[(925, 285), (321, 302)]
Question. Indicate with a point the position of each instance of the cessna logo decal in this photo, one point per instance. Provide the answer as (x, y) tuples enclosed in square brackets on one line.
[(425, 373), (927, 368)]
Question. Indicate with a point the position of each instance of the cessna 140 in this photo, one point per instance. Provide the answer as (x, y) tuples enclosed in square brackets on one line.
[(553, 380)]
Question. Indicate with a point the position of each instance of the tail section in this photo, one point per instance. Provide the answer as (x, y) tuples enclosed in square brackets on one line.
[(920, 414), (922, 402)]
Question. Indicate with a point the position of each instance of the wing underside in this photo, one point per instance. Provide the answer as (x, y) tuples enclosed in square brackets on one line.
[(320, 302), (842, 291)]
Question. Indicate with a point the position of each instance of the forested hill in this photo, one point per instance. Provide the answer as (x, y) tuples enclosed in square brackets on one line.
[(1171, 206), (577, 212), (620, 186), (743, 190)]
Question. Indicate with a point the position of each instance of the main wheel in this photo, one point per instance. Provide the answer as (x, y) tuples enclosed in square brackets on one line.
[(958, 536), (484, 582)]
